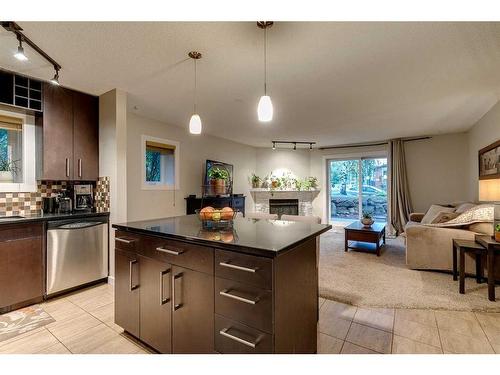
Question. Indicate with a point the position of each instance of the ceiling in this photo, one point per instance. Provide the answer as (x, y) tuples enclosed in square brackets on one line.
[(330, 82)]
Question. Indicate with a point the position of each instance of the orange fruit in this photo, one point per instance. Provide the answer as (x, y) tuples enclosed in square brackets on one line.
[(206, 213), (227, 213)]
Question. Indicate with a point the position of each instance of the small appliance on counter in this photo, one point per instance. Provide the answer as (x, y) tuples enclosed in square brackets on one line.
[(83, 198), (64, 202), (49, 205)]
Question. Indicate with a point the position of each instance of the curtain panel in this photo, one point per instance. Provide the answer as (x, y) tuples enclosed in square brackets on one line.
[(400, 202)]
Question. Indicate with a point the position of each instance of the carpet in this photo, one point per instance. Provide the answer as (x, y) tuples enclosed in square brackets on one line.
[(363, 279), (23, 320)]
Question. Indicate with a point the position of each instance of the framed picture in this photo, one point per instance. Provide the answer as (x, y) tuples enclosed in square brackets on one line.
[(489, 161)]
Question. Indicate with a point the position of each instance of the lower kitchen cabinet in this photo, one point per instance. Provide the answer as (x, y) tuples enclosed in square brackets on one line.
[(21, 265)]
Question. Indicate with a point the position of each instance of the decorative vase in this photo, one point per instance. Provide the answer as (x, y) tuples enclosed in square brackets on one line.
[(367, 222), (6, 176), (219, 186), (497, 236), (255, 184)]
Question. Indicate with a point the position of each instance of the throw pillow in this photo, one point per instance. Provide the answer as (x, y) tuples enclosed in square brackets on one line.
[(464, 207), (444, 217), (433, 211)]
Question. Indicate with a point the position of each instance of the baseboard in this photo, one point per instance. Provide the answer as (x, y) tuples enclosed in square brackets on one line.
[(111, 280)]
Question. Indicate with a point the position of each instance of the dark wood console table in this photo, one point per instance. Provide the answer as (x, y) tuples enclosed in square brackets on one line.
[(194, 203), (493, 249)]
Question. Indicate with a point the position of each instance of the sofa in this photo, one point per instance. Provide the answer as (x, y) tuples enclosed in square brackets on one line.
[(429, 246)]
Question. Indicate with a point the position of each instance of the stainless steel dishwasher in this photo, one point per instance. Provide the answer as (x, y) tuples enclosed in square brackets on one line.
[(77, 253)]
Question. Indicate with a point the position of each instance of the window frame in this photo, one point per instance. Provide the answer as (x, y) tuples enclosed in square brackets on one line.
[(159, 185)]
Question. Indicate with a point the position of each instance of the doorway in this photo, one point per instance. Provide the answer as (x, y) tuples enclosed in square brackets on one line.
[(357, 185)]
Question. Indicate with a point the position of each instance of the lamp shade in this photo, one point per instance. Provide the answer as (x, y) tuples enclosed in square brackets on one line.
[(265, 109), (489, 190), (195, 124)]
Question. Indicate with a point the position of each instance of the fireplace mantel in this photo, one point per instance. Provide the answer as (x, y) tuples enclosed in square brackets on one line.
[(262, 196)]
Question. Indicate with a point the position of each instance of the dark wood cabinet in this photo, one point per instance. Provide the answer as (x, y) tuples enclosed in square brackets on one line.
[(85, 137), (21, 265), (68, 135), (193, 320), (127, 291), (56, 145), (155, 304)]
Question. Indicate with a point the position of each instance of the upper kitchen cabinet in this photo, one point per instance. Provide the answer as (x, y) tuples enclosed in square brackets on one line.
[(68, 135), (21, 91)]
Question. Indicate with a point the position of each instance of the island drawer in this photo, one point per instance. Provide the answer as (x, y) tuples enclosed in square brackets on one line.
[(245, 303), (127, 241), (235, 338), (194, 257), (245, 268)]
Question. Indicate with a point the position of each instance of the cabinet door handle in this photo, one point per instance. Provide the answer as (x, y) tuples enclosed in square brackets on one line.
[(226, 293), (80, 168), (124, 240), (169, 251), (163, 300), (131, 265), (175, 306), (240, 268), (223, 332), (67, 167)]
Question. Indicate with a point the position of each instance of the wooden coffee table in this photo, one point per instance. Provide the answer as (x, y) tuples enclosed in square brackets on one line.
[(365, 238)]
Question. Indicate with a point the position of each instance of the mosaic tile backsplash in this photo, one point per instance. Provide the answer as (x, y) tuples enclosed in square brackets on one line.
[(24, 204)]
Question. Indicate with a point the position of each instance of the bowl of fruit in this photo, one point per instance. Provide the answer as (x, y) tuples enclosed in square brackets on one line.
[(216, 218)]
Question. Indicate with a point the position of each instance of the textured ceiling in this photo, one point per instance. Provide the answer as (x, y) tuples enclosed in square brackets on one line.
[(330, 82)]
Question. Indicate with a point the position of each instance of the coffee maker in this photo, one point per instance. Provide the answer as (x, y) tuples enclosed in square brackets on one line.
[(83, 198), (64, 204)]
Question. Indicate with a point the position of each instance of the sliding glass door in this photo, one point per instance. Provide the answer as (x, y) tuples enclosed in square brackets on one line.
[(357, 185)]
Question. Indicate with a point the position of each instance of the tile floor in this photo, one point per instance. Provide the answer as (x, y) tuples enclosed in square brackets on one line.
[(348, 329), (84, 324)]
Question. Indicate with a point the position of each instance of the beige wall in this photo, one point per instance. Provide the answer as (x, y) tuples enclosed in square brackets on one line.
[(436, 170), (295, 161), (194, 151), (483, 133)]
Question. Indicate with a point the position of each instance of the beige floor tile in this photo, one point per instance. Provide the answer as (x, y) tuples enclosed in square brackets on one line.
[(62, 310), (118, 345), (30, 344), (333, 326), (350, 348), (460, 344), (374, 318), (403, 345), (426, 317), (490, 322), (90, 339), (321, 301), (22, 335), (459, 322), (106, 314), (339, 310), (496, 348), (371, 338), (417, 332), (91, 301), (67, 328), (328, 344), (55, 349)]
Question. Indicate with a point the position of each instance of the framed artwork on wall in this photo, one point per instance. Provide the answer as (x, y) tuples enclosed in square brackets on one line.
[(489, 161)]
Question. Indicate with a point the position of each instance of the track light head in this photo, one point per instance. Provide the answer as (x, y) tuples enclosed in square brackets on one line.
[(274, 145), (20, 52), (310, 146), (55, 79), (294, 145)]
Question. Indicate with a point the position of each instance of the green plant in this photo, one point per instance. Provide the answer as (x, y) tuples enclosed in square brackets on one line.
[(367, 215), (217, 173), (497, 228), (7, 165)]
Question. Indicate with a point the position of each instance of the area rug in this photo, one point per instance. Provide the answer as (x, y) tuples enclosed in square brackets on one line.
[(23, 320), (363, 279)]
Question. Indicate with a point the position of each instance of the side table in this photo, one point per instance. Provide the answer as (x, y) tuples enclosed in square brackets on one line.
[(493, 248), (467, 246)]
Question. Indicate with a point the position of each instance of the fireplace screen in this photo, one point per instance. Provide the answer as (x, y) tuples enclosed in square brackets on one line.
[(284, 206)]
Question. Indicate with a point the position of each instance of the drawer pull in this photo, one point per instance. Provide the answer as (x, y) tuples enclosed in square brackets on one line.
[(226, 293), (169, 251), (124, 240), (224, 333), (241, 268)]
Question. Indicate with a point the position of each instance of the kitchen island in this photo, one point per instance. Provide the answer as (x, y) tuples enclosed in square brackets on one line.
[(251, 288)]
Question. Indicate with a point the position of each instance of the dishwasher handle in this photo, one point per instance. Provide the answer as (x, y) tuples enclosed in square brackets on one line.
[(78, 225)]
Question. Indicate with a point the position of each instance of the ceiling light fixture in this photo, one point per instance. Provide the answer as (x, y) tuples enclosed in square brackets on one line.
[(265, 106), (274, 145), (195, 122), (20, 50), (55, 79)]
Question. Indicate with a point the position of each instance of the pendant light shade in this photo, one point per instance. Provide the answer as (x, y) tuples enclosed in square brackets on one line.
[(265, 109), (195, 124)]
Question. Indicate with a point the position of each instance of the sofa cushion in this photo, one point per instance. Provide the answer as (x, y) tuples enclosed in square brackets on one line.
[(444, 217), (434, 211), (483, 228), (461, 208)]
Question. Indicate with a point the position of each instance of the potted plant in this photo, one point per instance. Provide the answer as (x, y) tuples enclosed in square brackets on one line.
[(367, 219), (256, 181), (8, 168), (218, 178), (497, 232)]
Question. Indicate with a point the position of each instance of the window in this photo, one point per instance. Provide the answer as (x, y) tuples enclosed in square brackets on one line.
[(11, 149), (160, 163)]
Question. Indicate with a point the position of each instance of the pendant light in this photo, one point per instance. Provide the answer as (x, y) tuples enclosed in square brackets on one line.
[(55, 79), (265, 106), (195, 122), (20, 51)]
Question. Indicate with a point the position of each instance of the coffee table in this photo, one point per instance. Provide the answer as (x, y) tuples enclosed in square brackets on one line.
[(365, 238)]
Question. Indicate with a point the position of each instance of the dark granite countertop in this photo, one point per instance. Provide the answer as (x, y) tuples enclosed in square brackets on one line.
[(263, 237), (48, 217)]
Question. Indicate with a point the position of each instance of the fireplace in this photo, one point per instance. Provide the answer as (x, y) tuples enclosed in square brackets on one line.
[(284, 206)]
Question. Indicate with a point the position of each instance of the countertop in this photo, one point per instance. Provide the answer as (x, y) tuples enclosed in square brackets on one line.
[(48, 217), (262, 237)]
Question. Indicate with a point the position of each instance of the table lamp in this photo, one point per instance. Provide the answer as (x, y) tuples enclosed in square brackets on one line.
[(489, 191)]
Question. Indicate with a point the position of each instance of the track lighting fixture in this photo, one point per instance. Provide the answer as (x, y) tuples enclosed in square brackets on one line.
[(55, 79), (195, 122), (20, 50), (293, 143), (265, 106)]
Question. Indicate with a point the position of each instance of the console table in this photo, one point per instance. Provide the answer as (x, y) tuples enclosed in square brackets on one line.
[(194, 203)]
